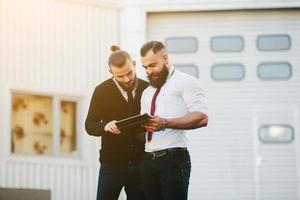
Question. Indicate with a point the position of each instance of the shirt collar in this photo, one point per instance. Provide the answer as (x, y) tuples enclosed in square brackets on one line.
[(121, 89), (171, 71)]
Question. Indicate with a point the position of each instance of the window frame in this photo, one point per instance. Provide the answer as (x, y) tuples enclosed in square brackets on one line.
[(227, 64), (183, 37), (227, 36), (272, 142), (272, 35), (273, 78), (188, 64), (56, 102)]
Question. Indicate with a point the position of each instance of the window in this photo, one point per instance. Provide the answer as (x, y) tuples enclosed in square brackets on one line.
[(33, 123), (227, 44), (273, 42), (276, 134), (227, 71), (68, 127), (32, 127), (188, 69), (181, 44), (274, 70)]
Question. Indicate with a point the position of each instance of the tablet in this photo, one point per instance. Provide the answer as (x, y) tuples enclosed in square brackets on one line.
[(132, 122)]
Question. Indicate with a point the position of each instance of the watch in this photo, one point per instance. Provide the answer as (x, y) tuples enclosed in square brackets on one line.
[(165, 124)]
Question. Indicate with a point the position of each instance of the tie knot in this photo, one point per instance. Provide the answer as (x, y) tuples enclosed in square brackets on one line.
[(130, 96)]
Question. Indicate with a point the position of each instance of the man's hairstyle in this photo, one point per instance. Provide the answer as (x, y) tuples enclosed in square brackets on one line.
[(155, 46), (118, 57)]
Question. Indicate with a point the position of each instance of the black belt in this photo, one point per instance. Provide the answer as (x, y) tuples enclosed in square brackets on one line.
[(161, 153)]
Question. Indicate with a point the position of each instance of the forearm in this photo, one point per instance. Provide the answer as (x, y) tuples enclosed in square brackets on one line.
[(95, 128), (190, 121), (94, 125)]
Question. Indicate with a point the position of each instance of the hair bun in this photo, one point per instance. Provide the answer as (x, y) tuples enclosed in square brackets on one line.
[(114, 48)]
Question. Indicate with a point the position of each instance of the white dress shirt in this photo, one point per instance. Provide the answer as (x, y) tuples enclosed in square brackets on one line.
[(180, 95), (123, 92)]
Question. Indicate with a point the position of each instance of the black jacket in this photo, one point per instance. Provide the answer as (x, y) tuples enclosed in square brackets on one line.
[(108, 104)]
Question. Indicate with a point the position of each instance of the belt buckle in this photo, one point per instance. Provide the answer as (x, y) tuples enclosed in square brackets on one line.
[(152, 155)]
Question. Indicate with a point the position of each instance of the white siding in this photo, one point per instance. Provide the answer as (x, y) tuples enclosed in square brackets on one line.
[(224, 154), (54, 47), (66, 181)]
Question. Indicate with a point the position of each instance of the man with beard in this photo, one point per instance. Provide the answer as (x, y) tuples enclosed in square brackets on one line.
[(114, 99), (176, 102)]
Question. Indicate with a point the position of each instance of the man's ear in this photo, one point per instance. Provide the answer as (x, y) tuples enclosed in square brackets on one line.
[(134, 63), (165, 58)]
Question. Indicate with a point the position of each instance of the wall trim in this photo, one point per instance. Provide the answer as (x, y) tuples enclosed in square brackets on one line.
[(115, 4)]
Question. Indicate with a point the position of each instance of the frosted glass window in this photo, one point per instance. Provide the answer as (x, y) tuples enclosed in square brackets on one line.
[(227, 71), (32, 124), (227, 44), (276, 134), (68, 127), (181, 44), (274, 71), (188, 69), (273, 42), (33, 118)]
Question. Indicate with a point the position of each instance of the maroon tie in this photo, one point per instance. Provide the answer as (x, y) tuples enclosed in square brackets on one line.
[(152, 109)]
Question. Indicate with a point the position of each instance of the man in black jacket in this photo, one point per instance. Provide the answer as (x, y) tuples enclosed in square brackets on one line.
[(121, 152)]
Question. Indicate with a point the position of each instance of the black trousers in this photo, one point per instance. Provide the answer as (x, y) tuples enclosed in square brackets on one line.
[(167, 177), (112, 178)]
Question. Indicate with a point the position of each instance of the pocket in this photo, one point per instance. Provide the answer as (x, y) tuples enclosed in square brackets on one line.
[(182, 164)]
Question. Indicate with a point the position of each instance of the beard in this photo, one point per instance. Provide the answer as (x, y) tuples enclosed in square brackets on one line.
[(160, 78), (130, 86)]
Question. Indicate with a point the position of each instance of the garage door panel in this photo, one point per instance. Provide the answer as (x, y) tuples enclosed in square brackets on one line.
[(224, 156)]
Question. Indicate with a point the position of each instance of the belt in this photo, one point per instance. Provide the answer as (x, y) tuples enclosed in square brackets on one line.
[(161, 153)]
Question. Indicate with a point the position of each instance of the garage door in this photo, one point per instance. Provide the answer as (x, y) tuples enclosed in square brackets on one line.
[(247, 62)]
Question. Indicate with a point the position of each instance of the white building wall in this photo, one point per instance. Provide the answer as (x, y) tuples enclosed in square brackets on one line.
[(133, 31), (52, 44), (54, 47)]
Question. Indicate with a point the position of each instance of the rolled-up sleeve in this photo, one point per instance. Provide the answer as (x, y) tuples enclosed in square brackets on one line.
[(193, 95)]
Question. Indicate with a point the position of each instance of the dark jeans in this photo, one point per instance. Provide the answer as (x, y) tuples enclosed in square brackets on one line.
[(112, 178), (167, 177)]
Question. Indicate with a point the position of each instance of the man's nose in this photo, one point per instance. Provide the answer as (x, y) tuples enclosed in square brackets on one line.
[(149, 71), (126, 79)]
